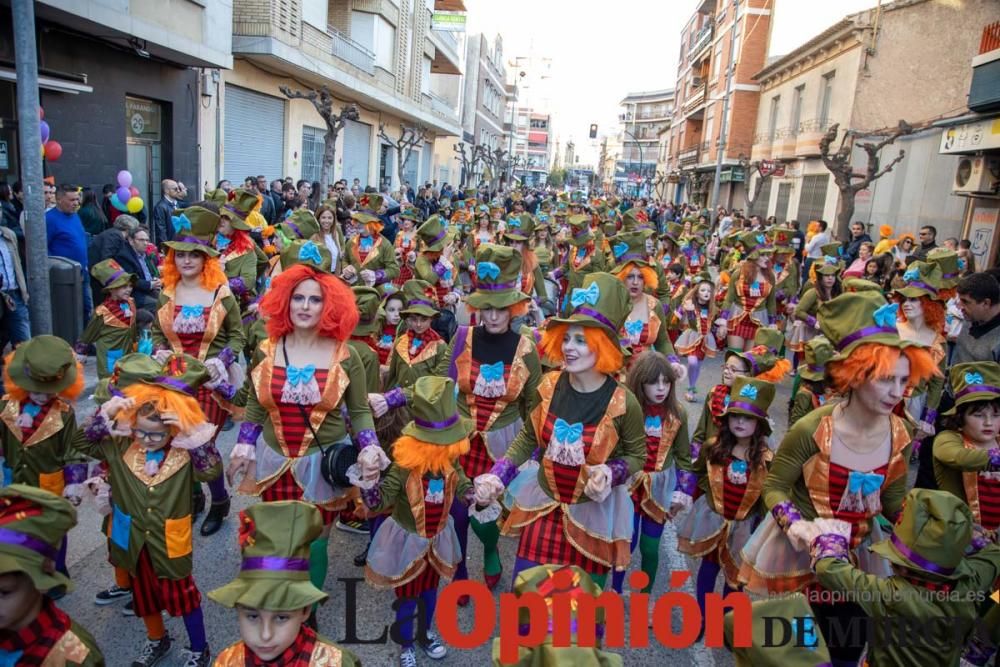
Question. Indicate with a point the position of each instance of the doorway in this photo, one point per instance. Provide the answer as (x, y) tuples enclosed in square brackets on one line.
[(144, 148)]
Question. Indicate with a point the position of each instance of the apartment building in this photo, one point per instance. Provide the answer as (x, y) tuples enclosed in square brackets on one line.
[(486, 97), (643, 116), (716, 29)]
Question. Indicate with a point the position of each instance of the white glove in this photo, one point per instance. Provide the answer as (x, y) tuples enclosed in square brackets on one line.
[(680, 370), (679, 502), (801, 534), (161, 356), (74, 493), (372, 460), (243, 450), (598, 486), (488, 488)]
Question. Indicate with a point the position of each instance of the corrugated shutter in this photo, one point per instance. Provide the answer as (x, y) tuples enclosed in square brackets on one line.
[(812, 198), (763, 199), (781, 208), (425, 171), (313, 145), (410, 168), (357, 146), (254, 135)]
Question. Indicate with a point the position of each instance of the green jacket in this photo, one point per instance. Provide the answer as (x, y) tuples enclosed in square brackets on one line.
[(952, 459), (49, 459), (574, 276), (243, 269), (808, 305), (381, 256), (402, 491), (404, 371), (224, 325), (369, 359), (789, 284), (107, 334)]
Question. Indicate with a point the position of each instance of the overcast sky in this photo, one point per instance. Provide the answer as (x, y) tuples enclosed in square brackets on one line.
[(630, 45)]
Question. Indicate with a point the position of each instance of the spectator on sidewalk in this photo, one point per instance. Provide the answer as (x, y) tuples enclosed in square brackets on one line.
[(979, 339), (94, 221), (109, 243), (160, 225), (67, 238), (135, 257), (814, 247), (15, 325), (49, 190), (852, 246), (928, 241)]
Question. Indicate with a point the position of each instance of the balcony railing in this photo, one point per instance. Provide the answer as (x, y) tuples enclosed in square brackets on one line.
[(688, 155), (814, 125), (696, 99), (441, 106), (351, 52), (700, 40), (448, 37)]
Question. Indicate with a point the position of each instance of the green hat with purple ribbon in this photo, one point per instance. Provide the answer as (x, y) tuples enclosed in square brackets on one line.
[(751, 397), (603, 301), (111, 275), (33, 524), (629, 248), (434, 410), (858, 318), (498, 278), (974, 382), (922, 279)]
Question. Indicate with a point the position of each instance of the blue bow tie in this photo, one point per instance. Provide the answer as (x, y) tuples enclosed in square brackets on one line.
[(301, 375), (589, 295), (487, 270), (386, 339), (620, 249), (755, 285), (435, 485), (778, 268), (145, 343), (32, 409), (581, 253), (180, 222), (367, 243), (126, 311), (634, 327), (829, 259), (416, 343), (156, 456), (566, 432), (10, 658), (973, 378), (738, 466), (886, 315), (865, 483), (221, 241), (192, 311), (267, 282), (492, 372), (654, 424), (309, 252)]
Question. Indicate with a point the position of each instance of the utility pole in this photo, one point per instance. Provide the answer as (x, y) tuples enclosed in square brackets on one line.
[(725, 111), (29, 138)]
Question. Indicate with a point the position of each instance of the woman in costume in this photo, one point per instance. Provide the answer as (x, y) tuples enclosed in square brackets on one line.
[(698, 339), (418, 349), (406, 244), (750, 299), (825, 286), (437, 263), (483, 232), (582, 259), (237, 250), (520, 230), (371, 258)]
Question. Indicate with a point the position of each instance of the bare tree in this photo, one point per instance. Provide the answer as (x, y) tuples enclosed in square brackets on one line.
[(323, 100), (495, 159), (467, 158), (750, 195), (839, 163), (410, 136), (660, 184)]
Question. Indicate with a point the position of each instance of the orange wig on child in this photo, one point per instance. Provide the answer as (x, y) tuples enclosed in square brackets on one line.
[(648, 274), (426, 457), (212, 275), (70, 393), (609, 357), (161, 400), (870, 361), (340, 313)]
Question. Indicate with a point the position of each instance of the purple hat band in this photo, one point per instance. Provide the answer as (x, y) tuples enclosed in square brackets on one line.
[(917, 559), (176, 384), (114, 276), (420, 302), (584, 229), (583, 310), (191, 239), (978, 389), (946, 276), (18, 539), (864, 333), (632, 256), (749, 407), (423, 423), (816, 368), (295, 228), (921, 285), (232, 209), (275, 564), (496, 287), (438, 237)]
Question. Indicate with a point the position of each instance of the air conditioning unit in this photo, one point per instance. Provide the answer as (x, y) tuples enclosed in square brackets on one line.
[(977, 173)]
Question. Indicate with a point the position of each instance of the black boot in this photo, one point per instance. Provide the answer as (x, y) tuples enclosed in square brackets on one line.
[(216, 515), (362, 557), (197, 502)]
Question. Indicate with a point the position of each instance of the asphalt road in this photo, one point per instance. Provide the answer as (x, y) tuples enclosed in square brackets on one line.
[(217, 559)]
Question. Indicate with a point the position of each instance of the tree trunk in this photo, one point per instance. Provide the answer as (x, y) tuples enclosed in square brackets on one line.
[(329, 160), (845, 211)]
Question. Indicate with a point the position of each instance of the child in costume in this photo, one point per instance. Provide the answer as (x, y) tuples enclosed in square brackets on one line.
[(33, 630), (112, 329), (436, 264), (272, 594), (418, 350), (417, 545), (406, 244), (660, 490), (37, 422), (371, 258), (812, 392), (583, 258), (750, 299), (786, 275), (151, 440), (697, 340), (363, 337), (804, 323), (730, 470), (390, 315)]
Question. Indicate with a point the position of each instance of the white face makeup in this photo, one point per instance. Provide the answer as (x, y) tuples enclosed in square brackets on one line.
[(577, 355)]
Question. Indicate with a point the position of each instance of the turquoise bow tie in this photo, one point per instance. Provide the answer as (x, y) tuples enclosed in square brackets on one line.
[(566, 432), (435, 485), (620, 249), (145, 344), (911, 274), (10, 658), (309, 252), (634, 327), (156, 456), (487, 270), (386, 339), (367, 243), (755, 285), (865, 483), (301, 375), (514, 223), (830, 259), (492, 372), (221, 241), (581, 296), (749, 391), (760, 238), (192, 311), (581, 253), (886, 315), (267, 283), (778, 268), (126, 311), (180, 222), (973, 378), (738, 466), (416, 343), (654, 424), (32, 409)]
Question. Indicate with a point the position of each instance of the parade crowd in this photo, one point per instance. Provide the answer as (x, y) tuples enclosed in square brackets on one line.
[(417, 366)]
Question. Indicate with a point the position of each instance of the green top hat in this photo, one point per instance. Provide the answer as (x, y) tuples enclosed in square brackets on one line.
[(947, 261), (930, 535), (782, 237), (772, 339), (579, 229), (198, 232), (629, 247), (635, 220), (274, 539), (182, 373), (471, 195), (832, 249), (498, 269), (751, 397), (445, 203), (301, 224), (435, 412), (705, 277), (33, 523), (520, 227), (433, 233), (694, 238), (609, 228), (129, 369), (309, 253), (43, 364), (856, 318), (829, 265), (854, 284), (111, 274), (410, 213), (602, 302), (759, 358), (922, 279), (217, 196), (673, 231), (238, 208), (788, 616), (754, 244), (368, 301), (497, 205), (369, 205), (818, 351), (974, 381), (420, 298)]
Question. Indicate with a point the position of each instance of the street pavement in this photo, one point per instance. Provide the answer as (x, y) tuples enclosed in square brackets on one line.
[(217, 560)]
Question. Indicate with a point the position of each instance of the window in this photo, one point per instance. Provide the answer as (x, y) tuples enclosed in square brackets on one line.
[(314, 13), (812, 199), (313, 142), (425, 76), (377, 35), (781, 207), (763, 199), (825, 97), (716, 61), (797, 109), (736, 42), (772, 121)]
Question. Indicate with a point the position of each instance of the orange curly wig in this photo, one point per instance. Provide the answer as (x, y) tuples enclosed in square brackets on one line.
[(212, 275), (648, 274), (517, 310), (426, 457), (340, 313), (70, 393), (933, 313), (870, 361), (609, 358), (239, 242), (188, 412)]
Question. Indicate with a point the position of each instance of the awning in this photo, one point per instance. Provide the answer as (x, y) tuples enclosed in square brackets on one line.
[(50, 82)]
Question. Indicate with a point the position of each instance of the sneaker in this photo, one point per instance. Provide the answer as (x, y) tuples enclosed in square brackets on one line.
[(113, 594), (433, 647), (128, 609), (153, 652), (362, 557), (407, 657), (353, 526), (197, 658)]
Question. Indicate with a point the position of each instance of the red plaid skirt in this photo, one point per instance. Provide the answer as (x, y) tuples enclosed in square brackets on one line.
[(544, 541), (428, 580), (285, 488), (746, 329), (153, 594), (214, 413)]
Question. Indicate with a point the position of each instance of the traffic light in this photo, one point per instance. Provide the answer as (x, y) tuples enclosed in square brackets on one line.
[(593, 131)]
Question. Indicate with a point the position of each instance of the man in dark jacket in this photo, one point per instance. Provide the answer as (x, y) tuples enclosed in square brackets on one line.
[(133, 258), (109, 243), (160, 223), (852, 247)]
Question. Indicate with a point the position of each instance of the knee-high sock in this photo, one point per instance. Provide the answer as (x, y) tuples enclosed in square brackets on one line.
[(649, 548), (618, 578), (460, 516), (600, 579), (708, 572), (405, 614), (217, 487), (694, 368), (154, 626), (194, 623), (430, 598), (61, 557), (122, 580), (489, 535), (318, 561)]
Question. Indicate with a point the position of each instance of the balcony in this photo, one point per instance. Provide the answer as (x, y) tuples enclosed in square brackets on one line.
[(761, 149), (695, 100), (439, 104), (809, 135), (689, 156), (446, 59), (783, 145), (700, 42), (984, 91), (351, 52)]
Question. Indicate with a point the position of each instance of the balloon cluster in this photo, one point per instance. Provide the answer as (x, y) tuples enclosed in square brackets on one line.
[(126, 198), (51, 149)]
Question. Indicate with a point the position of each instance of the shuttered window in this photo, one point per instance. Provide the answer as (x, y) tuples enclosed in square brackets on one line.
[(357, 147), (760, 204), (812, 198), (781, 208), (254, 134), (313, 142)]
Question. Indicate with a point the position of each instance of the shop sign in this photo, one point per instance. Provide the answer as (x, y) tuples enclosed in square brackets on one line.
[(979, 135), (772, 168), (142, 119), (448, 21)]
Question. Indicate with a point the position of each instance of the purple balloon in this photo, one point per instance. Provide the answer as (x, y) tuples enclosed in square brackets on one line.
[(118, 204), (123, 194), (125, 181), (44, 127)]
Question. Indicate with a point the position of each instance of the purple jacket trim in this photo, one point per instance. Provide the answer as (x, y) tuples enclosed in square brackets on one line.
[(830, 546), (249, 432), (226, 356), (724, 314), (372, 497), (367, 438), (785, 514), (226, 390), (687, 482), (440, 269), (619, 471), (395, 398), (206, 457), (930, 416), (995, 458), (695, 449), (505, 469), (75, 473), (379, 276), (81, 348), (237, 286), (97, 429), (811, 321)]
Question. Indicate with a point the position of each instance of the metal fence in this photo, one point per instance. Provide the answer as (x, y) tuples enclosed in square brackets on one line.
[(351, 52)]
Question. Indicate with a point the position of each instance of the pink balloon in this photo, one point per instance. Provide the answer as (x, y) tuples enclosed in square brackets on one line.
[(124, 178), (134, 191)]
